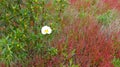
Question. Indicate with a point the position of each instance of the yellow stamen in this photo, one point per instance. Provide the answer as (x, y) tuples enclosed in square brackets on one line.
[(46, 31)]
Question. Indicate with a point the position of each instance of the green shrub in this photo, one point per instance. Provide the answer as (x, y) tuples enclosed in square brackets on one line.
[(116, 62), (21, 38), (107, 17)]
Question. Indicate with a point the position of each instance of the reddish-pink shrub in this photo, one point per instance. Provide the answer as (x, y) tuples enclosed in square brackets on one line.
[(96, 47), (116, 40), (78, 4), (72, 1), (111, 4), (2, 64), (118, 53), (92, 47)]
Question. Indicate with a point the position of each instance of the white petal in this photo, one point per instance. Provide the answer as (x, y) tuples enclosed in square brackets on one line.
[(50, 31), (46, 28), (43, 30)]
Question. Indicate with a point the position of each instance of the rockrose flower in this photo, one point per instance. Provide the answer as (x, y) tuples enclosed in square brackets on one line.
[(46, 30)]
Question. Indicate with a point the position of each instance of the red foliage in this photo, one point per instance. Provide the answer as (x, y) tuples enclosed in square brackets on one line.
[(93, 48), (117, 44), (80, 4), (72, 1), (2, 65), (112, 4), (118, 54)]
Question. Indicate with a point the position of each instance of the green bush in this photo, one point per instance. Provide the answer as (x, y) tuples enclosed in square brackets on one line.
[(21, 22), (107, 17), (116, 62)]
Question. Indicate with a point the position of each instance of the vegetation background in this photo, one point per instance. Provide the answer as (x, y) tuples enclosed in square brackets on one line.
[(85, 33)]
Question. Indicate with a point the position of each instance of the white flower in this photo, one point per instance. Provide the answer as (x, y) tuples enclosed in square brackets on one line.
[(46, 30)]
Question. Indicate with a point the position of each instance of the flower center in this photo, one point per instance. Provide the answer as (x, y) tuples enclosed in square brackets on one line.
[(46, 31)]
